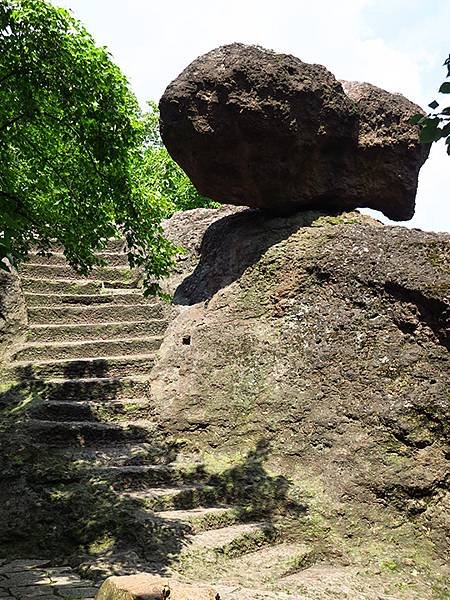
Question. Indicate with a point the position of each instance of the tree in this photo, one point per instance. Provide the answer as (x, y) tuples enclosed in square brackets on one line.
[(436, 125), (167, 180), (72, 147)]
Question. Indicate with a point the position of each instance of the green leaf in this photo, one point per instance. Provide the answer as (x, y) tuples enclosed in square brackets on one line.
[(433, 104), (416, 119), (445, 88), (430, 133)]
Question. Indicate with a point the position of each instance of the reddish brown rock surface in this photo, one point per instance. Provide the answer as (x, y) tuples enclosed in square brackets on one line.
[(145, 586), (13, 318), (255, 128)]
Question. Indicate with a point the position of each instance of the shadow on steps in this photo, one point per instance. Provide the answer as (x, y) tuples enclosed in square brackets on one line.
[(97, 505)]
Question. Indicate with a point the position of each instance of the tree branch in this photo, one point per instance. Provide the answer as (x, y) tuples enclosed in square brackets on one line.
[(11, 73), (19, 207)]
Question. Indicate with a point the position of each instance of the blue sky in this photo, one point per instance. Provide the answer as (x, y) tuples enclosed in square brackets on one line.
[(399, 45)]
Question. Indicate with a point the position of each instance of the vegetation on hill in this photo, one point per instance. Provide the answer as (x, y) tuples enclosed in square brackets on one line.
[(80, 162)]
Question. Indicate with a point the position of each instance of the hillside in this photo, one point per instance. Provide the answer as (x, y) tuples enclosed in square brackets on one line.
[(285, 428)]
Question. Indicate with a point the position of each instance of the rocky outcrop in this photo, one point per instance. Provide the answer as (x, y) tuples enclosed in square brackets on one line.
[(255, 128), (13, 316), (286, 440), (325, 338)]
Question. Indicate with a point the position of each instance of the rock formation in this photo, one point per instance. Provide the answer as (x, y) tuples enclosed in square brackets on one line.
[(327, 339), (13, 315), (279, 432), (255, 128)]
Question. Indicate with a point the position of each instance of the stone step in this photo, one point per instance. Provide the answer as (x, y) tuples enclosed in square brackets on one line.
[(266, 565), (69, 462), (231, 541), (81, 433), (111, 245), (141, 477), (63, 286), (111, 366), (28, 579), (41, 315), (96, 388), (169, 498), (88, 349), (49, 271), (202, 519), (94, 331), (113, 259), (104, 296), (39, 285), (86, 410), (119, 454)]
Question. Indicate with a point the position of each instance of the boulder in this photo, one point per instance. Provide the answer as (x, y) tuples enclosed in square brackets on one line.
[(265, 130), (389, 155), (146, 586)]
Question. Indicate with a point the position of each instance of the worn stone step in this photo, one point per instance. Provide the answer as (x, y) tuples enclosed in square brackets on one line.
[(110, 245), (168, 498), (60, 286), (234, 540), (113, 259), (141, 477), (104, 296), (119, 454), (202, 519), (70, 462), (108, 273), (86, 410), (96, 388), (73, 433), (41, 315), (88, 348), (266, 565), (111, 366), (93, 331)]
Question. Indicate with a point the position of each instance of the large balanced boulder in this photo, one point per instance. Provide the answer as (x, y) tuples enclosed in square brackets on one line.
[(256, 128)]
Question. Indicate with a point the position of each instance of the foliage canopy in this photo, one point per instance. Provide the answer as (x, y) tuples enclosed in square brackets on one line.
[(169, 183), (77, 155)]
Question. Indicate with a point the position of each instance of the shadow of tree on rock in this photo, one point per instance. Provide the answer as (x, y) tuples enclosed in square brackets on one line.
[(52, 506)]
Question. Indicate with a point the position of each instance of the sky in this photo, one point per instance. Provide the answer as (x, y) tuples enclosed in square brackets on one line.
[(398, 45)]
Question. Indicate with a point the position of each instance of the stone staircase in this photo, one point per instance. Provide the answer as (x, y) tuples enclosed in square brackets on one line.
[(127, 495)]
